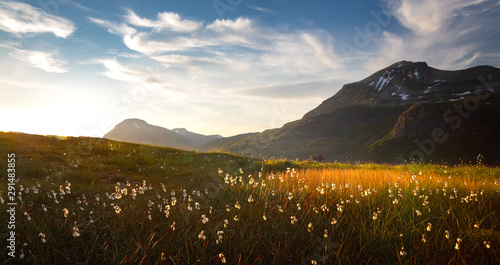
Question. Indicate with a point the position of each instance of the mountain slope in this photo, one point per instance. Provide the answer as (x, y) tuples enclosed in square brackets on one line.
[(392, 116), (196, 138), (139, 131)]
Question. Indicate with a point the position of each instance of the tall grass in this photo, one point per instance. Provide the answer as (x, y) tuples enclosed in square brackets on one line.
[(315, 216)]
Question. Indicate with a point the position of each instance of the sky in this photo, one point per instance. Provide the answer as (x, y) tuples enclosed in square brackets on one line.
[(77, 68)]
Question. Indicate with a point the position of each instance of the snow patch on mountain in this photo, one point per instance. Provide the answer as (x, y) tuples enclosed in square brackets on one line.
[(383, 81)]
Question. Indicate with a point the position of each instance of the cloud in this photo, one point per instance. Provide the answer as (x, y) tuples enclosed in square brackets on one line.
[(427, 16), (127, 74), (262, 9), (449, 34), (225, 53), (42, 60), (165, 21), (20, 18)]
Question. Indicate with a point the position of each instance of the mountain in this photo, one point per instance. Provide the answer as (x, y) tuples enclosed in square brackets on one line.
[(407, 111), (195, 138), (139, 131)]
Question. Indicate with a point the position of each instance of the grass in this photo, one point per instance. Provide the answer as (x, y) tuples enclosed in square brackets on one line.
[(138, 204)]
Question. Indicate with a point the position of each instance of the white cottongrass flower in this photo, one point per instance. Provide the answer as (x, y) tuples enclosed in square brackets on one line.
[(201, 235), (42, 237), (76, 231), (310, 227), (457, 245), (487, 244), (222, 258), (204, 219)]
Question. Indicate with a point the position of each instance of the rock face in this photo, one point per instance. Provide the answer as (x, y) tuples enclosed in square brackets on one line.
[(395, 115)]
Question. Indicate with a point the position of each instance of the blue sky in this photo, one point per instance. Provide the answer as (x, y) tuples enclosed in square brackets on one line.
[(218, 66)]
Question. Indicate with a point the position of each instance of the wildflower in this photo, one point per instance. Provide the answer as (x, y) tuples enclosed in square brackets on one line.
[(201, 235), (402, 252), (197, 206), (66, 212), (299, 207), (250, 199), (457, 245), (293, 219), (221, 256), (487, 244), (237, 205), (219, 237), (429, 226), (264, 216), (476, 225), (44, 208), (423, 239), (325, 234), (236, 218), (189, 207), (27, 216), (149, 215), (375, 216), (226, 222), (173, 226), (447, 234), (280, 208), (117, 209), (290, 196), (204, 219), (418, 212), (313, 262), (310, 227), (76, 231), (42, 237), (334, 221)]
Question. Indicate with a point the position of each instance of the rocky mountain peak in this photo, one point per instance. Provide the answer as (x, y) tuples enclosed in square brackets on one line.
[(405, 83)]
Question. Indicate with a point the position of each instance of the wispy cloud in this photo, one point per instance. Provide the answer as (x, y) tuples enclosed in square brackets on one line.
[(448, 34), (262, 9), (48, 62), (165, 21), (117, 71), (20, 18)]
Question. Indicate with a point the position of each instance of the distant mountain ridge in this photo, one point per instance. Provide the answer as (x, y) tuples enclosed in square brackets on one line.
[(139, 131)]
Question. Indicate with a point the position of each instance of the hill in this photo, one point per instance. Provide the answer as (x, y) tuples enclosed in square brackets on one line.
[(139, 131)]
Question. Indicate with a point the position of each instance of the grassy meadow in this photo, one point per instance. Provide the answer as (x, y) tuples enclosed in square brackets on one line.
[(94, 201)]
